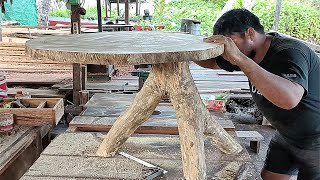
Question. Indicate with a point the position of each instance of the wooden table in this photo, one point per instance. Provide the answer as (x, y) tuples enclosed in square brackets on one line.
[(169, 54)]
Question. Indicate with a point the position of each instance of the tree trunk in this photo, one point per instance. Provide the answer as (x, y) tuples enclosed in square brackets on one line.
[(277, 16), (226, 8), (44, 7), (248, 4), (175, 80)]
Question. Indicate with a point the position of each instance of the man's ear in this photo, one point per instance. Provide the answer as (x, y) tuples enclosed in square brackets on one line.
[(251, 33)]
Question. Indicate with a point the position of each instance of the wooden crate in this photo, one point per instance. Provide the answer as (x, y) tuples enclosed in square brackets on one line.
[(42, 111)]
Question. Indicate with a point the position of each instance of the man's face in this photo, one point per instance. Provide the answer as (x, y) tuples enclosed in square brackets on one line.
[(244, 44)]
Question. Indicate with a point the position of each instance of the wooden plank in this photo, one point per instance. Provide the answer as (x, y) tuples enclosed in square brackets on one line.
[(250, 135), (11, 48), (76, 83), (42, 105), (106, 97), (73, 155), (92, 49), (12, 44), (155, 125), (89, 167), (21, 162), (11, 146), (103, 88)]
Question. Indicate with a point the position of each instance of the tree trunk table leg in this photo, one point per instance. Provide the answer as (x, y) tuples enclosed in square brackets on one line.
[(188, 107), (175, 80), (139, 111)]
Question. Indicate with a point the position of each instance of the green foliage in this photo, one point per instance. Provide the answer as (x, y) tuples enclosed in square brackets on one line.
[(159, 9), (60, 13), (299, 18), (296, 19), (204, 11), (238, 4)]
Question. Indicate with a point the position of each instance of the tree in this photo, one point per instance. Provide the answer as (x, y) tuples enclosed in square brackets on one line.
[(44, 7), (227, 7), (276, 16), (248, 4)]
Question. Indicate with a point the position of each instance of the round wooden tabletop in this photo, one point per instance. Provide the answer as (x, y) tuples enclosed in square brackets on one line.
[(124, 47)]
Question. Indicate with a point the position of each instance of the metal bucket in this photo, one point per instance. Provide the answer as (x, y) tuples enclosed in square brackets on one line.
[(6, 122), (195, 29)]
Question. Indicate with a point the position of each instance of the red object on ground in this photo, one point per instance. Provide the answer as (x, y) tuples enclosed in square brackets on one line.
[(6, 122), (3, 87)]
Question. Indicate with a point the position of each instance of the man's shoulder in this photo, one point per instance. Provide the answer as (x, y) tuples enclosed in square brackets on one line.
[(281, 42)]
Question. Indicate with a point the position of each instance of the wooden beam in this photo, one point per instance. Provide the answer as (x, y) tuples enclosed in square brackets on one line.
[(76, 83), (75, 29), (84, 77), (99, 15), (154, 125), (126, 12), (84, 97)]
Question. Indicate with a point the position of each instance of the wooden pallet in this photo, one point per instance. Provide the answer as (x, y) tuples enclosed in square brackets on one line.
[(20, 149)]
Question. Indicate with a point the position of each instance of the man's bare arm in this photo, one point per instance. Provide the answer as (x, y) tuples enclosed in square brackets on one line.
[(279, 91)]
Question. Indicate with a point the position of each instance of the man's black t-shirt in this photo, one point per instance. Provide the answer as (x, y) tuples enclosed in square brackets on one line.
[(293, 60)]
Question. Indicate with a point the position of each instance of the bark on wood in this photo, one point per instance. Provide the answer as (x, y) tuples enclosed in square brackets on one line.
[(139, 111), (44, 7), (145, 48), (175, 80)]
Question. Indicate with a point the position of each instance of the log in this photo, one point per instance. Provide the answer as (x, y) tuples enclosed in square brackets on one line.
[(175, 80), (122, 48), (138, 112)]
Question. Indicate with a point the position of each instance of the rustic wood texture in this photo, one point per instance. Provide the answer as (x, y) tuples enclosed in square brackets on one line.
[(123, 48), (173, 80), (34, 116), (154, 125), (77, 82), (19, 150), (72, 155)]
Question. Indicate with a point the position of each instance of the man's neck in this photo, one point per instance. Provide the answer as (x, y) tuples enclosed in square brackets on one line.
[(262, 49)]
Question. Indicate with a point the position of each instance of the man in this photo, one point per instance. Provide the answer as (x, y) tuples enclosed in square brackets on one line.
[(284, 81)]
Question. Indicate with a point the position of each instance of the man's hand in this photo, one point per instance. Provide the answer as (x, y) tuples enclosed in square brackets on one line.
[(231, 51)]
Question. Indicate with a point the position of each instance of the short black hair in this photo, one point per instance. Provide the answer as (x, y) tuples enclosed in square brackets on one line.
[(237, 20)]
